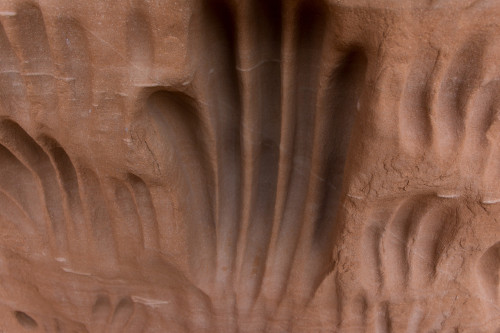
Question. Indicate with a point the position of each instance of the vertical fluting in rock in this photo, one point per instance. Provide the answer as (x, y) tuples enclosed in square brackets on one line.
[(251, 166)]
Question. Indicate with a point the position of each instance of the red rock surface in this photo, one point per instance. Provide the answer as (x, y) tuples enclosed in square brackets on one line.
[(251, 166)]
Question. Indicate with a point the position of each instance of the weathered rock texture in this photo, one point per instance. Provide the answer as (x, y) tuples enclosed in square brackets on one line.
[(250, 165)]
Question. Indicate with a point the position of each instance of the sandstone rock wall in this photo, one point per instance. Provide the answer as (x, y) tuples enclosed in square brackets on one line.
[(249, 165)]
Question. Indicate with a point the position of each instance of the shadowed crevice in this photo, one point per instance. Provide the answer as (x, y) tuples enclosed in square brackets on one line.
[(343, 101)]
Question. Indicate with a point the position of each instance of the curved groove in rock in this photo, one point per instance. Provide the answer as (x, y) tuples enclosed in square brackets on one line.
[(306, 41), (101, 311), (68, 181), (24, 196), (12, 212), (425, 250), (103, 244), (261, 140), (25, 320), (147, 212), (488, 269), (415, 126), (177, 122), (342, 97), (32, 155), (221, 96), (371, 254), (129, 232), (402, 248), (455, 90), (396, 244), (122, 315)]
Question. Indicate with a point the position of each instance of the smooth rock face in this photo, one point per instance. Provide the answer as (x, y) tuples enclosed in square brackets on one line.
[(250, 166)]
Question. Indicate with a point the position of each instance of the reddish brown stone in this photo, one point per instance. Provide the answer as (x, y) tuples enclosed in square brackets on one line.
[(250, 166)]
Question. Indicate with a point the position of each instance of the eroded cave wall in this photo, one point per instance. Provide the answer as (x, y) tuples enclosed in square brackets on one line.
[(249, 165)]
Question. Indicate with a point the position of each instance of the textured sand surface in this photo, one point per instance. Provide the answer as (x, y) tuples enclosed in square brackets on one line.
[(250, 166)]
